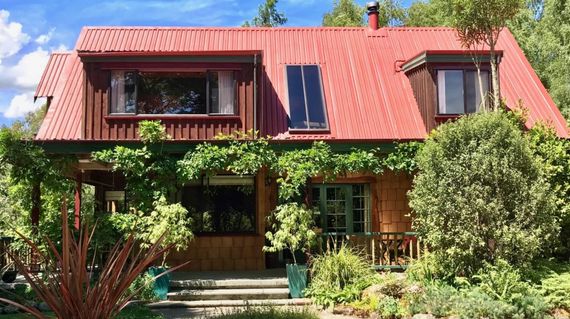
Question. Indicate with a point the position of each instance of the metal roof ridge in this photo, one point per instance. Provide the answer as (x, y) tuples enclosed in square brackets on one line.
[(224, 28)]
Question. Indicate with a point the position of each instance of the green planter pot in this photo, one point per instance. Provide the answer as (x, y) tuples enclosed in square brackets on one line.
[(297, 279), (162, 284)]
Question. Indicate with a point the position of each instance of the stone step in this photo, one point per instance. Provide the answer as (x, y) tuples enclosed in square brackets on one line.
[(229, 303), (228, 283), (229, 294)]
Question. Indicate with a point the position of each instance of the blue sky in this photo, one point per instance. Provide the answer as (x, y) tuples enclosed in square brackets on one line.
[(30, 30)]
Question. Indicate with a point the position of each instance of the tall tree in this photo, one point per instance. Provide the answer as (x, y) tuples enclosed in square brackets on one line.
[(480, 22), (347, 13), (267, 16), (543, 32), (424, 13)]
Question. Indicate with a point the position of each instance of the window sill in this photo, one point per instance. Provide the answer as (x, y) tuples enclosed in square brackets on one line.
[(441, 118), (173, 117), (309, 131)]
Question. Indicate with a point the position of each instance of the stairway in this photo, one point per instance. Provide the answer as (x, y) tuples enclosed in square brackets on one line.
[(204, 290)]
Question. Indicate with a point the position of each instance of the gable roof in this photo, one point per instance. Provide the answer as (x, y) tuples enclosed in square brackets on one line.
[(366, 97)]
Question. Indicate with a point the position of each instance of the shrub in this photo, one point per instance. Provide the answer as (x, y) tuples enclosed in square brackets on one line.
[(437, 299), (480, 194), (502, 282), (427, 270), (142, 288), (268, 313), (339, 275), (473, 303), (292, 229)]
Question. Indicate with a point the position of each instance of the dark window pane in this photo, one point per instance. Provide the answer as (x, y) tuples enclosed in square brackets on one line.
[(222, 92), (220, 209), (472, 90), (315, 103), (172, 93), (123, 92), (297, 112), (450, 87)]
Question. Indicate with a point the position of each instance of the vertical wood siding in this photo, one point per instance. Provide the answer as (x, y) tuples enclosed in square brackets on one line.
[(98, 125), (423, 83)]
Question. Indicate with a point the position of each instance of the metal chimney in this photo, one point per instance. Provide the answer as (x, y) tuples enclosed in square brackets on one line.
[(372, 8)]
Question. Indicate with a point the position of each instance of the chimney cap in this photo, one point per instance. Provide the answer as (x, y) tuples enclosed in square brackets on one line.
[(372, 6)]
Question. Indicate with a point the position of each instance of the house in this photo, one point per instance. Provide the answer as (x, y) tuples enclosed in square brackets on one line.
[(365, 86)]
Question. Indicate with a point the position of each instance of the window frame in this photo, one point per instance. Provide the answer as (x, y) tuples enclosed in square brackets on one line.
[(349, 209), (208, 103), (464, 71), (225, 180), (308, 129)]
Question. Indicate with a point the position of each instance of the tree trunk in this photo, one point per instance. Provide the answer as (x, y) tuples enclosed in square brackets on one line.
[(495, 78)]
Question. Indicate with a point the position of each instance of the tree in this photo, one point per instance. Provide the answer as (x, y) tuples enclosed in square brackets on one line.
[(481, 195), (345, 13), (480, 22), (432, 13), (542, 30), (267, 16)]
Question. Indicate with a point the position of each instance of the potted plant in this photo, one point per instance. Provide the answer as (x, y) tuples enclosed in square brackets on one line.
[(174, 222), (292, 228)]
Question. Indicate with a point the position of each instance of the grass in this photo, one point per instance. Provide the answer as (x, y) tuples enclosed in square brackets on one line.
[(132, 312), (269, 313)]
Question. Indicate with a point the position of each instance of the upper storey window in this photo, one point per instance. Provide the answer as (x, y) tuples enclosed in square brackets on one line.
[(138, 92), (306, 101), (458, 91)]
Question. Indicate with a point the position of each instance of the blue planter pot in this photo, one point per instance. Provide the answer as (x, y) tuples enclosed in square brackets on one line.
[(297, 279), (162, 284)]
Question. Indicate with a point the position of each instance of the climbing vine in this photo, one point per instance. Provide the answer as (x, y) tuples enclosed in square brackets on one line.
[(150, 173)]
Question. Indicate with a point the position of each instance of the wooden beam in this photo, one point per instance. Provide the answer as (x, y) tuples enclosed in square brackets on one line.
[(77, 208)]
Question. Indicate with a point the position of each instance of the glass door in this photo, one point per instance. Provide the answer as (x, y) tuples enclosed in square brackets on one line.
[(343, 208)]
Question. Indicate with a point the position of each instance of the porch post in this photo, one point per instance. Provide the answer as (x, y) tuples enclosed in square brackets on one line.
[(77, 210), (36, 206)]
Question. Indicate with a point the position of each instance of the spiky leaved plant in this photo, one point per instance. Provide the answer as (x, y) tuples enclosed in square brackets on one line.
[(68, 287)]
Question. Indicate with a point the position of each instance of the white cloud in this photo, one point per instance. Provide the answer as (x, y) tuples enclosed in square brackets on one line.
[(22, 104), (44, 38), (26, 73), (12, 39)]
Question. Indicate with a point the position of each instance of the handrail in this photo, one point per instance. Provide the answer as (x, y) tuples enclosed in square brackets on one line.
[(385, 250)]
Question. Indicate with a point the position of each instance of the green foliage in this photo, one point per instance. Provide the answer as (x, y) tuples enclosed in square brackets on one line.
[(292, 228), (268, 312), (480, 194), (267, 16), (339, 276), (152, 132), (403, 158), (542, 30), (149, 173), (345, 13), (427, 270), (554, 153), (142, 288), (428, 13), (552, 279), (138, 312), (167, 223), (502, 281)]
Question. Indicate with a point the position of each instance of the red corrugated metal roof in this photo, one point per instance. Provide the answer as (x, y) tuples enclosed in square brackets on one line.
[(366, 98), (52, 72)]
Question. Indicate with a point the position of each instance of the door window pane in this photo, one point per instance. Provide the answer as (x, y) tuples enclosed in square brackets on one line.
[(346, 208), (450, 87)]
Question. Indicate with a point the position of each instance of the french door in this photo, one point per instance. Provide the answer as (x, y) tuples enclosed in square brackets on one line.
[(344, 208)]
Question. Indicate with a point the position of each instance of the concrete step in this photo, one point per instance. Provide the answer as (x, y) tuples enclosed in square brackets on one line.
[(229, 303), (228, 283), (229, 294)]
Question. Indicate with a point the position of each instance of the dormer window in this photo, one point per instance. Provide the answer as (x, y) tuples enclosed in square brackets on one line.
[(458, 91), (149, 92), (306, 100)]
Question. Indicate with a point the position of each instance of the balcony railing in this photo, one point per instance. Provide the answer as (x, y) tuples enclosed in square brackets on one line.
[(385, 250)]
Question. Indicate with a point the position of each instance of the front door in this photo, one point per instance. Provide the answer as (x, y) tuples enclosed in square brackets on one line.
[(344, 208)]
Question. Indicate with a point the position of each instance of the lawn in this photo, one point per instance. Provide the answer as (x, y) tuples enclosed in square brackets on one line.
[(134, 312)]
